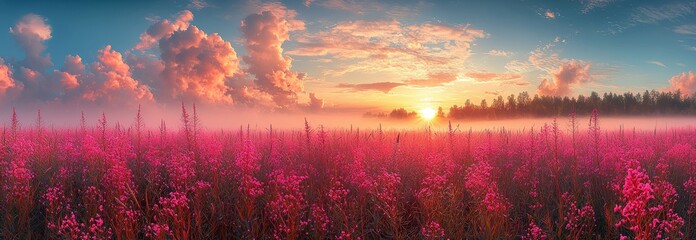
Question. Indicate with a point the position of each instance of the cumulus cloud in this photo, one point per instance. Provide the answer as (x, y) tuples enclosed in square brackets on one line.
[(66, 83), (491, 76), (111, 81), (433, 80), (384, 87), (684, 82), (30, 32), (264, 34), (164, 28), (567, 74), (6, 81), (314, 102), (390, 46), (550, 14), (67, 80), (196, 66), (73, 65)]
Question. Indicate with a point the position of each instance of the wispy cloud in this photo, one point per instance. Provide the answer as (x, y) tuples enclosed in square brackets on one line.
[(500, 53), (589, 5), (669, 12), (686, 29), (433, 80), (384, 87), (654, 14), (197, 4), (390, 46), (491, 76), (658, 63)]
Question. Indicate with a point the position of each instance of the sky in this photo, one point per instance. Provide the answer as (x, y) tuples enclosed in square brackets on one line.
[(336, 55)]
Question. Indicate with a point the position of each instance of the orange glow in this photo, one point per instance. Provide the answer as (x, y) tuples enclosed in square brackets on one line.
[(428, 113)]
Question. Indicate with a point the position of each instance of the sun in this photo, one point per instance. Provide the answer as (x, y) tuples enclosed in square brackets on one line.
[(428, 113)]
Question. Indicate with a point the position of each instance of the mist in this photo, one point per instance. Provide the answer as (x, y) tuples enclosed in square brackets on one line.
[(224, 118)]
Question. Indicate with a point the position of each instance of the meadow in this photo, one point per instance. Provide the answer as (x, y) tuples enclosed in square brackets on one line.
[(568, 179)]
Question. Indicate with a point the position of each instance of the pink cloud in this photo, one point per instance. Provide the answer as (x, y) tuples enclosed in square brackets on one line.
[(111, 80), (164, 28), (264, 34), (70, 76), (549, 14), (30, 32), (308, 2), (73, 65), (384, 87), (490, 76), (6, 81), (684, 82), (567, 74), (197, 66), (67, 80), (433, 80), (314, 102)]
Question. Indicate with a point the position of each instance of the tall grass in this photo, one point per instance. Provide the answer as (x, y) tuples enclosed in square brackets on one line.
[(553, 182)]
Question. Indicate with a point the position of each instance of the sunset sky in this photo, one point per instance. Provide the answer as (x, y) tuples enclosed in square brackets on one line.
[(338, 55)]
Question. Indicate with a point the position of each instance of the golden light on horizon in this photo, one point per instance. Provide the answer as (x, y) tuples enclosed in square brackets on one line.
[(428, 113)]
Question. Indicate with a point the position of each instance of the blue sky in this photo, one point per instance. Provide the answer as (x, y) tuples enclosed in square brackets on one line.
[(486, 48)]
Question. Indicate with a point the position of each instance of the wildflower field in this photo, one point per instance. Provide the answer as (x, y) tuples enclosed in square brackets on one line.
[(182, 181)]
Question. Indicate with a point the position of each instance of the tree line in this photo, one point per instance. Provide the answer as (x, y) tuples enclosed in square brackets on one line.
[(523, 105)]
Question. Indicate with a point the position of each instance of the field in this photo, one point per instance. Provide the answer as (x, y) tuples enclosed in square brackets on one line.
[(183, 181)]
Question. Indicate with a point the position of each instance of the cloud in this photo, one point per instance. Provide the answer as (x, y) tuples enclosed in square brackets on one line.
[(433, 80), (390, 46), (308, 2), (588, 5), (111, 81), (490, 76), (384, 87), (6, 81), (658, 63), (671, 12), (314, 102), (353, 6), (30, 32), (264, 34), (69, 78), (686, 29), (684, 82), (549, 14), (164, 28), (499, 53), (197, 4), (73, 64), (569, 73), (197, 67)]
